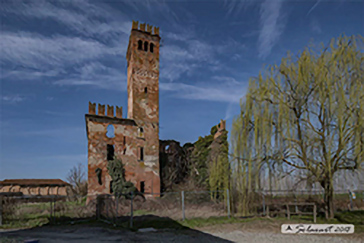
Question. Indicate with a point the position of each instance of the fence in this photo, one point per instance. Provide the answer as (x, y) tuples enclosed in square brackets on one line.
[(255, 203), (173, 205), (26, 211)]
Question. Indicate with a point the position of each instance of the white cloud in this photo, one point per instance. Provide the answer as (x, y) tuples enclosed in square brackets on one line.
[(31, 74), (194, 53), (39, 52), (313, 7), (84, 17), (235, 7), (95, 74), (13, 99), (101, 35), (226, 89), (272, 26)]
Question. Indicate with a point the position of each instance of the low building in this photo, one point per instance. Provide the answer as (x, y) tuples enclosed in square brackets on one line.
[(43, 187)]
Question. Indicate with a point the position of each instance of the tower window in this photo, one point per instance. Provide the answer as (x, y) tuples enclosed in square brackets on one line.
[(145, 90), (140, 45), (110, 152), (140, 132), (142, 185), (141, 153), (151, 47), (145, 46)]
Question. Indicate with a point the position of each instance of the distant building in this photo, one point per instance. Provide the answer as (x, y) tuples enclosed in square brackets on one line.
[(43, 187)]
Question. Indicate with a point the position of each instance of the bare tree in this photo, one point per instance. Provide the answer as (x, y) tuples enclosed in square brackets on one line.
[(76, 177)]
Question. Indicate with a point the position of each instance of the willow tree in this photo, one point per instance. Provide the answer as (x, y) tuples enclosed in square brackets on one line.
[(305, 114)]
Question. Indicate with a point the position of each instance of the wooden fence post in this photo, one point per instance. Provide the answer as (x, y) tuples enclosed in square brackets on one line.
[(107, 208), (228, 202), (314, 213), (288, 212), (117, 208), (183, 204), (50, 215), (131, 210), (1, 210)]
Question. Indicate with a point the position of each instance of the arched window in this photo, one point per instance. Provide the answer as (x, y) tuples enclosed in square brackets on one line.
[(110, 131), (151, 47), (140, 45), (140, 132), (145, 46)]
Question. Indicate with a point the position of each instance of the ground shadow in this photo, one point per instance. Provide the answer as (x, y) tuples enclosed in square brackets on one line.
[(91, 230)]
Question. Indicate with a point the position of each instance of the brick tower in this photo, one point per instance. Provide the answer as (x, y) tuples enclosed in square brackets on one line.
[(134, 140)]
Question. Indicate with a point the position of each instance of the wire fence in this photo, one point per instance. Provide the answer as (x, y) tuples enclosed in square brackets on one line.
[(173, 205), (128, 210)]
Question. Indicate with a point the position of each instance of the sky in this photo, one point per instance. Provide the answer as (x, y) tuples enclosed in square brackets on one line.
[(56, 56)]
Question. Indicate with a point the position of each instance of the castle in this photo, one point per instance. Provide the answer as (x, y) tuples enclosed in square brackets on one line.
[(134, 140)]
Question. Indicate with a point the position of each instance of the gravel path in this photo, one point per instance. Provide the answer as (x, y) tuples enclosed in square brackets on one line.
[(239, 236)]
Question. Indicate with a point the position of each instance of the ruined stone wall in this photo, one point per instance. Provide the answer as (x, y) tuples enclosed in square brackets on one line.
[(127, 140), (221, 128)]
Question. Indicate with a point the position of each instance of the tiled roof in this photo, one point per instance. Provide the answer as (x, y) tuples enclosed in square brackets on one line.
[(34, 182)]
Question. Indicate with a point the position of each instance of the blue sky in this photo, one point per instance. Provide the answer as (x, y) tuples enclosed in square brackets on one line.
[(56, 56)]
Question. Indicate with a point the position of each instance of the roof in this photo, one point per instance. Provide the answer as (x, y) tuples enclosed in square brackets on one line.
[(34, 182)]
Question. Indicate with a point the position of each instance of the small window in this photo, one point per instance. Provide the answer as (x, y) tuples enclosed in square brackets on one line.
[(142, 186), (124, 151), (141, 153), (145, 46), (110, 131), (151, 47), (140, 45), (111, 190), (145, 90), (110, 152), (140, 132)]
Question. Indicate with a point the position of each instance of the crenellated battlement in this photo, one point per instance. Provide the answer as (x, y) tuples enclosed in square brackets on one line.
[(101, 110), (145, 28)]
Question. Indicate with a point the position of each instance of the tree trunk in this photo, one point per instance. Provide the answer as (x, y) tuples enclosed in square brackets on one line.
[(328, 198)]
